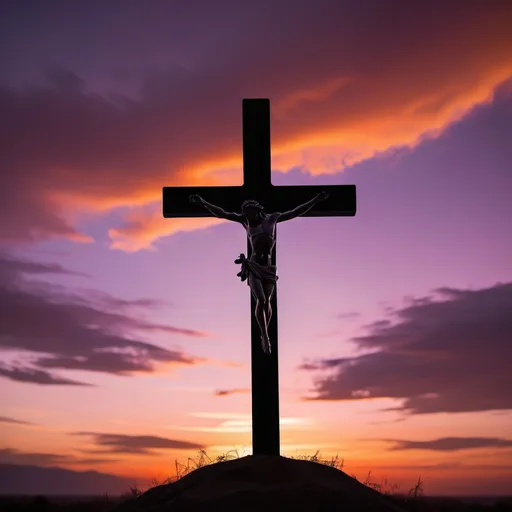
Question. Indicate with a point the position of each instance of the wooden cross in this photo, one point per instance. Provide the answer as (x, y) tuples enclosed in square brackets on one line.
[(257, 185)]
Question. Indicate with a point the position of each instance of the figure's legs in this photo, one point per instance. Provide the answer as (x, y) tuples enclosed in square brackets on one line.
[(269, 291), (260, 313)]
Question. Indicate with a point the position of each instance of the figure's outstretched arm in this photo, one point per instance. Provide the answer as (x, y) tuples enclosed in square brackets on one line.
[(302, 208), (216, 210)]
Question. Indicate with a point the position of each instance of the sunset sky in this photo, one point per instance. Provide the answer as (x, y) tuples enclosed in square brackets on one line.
[(124, 337)]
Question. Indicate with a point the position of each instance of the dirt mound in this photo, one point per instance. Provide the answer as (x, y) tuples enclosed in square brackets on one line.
[(264, 484)]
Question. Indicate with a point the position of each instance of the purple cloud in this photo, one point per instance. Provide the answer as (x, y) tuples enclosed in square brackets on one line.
[(87, 331), (449, 352)]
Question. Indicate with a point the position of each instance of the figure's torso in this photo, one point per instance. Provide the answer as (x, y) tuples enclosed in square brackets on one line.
[(262, 238)]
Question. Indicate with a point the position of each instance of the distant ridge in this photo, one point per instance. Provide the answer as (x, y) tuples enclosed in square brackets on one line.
[(32, 480)]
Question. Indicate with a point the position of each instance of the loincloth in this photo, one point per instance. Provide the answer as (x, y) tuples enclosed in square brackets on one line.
[(266, 273)]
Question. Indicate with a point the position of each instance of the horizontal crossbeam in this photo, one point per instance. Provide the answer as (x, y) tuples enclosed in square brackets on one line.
[(341, 200), (340, 203)]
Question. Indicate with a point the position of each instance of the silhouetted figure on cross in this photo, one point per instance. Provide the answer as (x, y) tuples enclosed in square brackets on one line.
[(258, 270)]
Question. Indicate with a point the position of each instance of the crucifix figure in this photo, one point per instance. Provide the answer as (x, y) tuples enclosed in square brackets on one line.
[(258, 270), (257, 190)]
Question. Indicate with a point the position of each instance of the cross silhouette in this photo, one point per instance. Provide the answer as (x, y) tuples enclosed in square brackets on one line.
[(257, 185)]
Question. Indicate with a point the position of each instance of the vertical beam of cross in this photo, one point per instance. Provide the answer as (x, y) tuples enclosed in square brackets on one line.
[(264, 369)]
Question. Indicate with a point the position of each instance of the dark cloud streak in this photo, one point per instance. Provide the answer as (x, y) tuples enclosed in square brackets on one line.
[(121, 443), (34, 376), (451, 444), (351, 315), (13, 456), (228, 392), (5, 419)]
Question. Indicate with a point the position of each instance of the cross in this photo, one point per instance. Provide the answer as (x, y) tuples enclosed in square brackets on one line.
[(258, 185)]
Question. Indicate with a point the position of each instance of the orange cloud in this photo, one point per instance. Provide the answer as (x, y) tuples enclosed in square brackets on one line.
[(143, 226), (339, 94), (321, 152)]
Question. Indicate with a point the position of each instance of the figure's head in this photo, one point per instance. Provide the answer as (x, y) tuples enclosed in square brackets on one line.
[(252, 209)]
